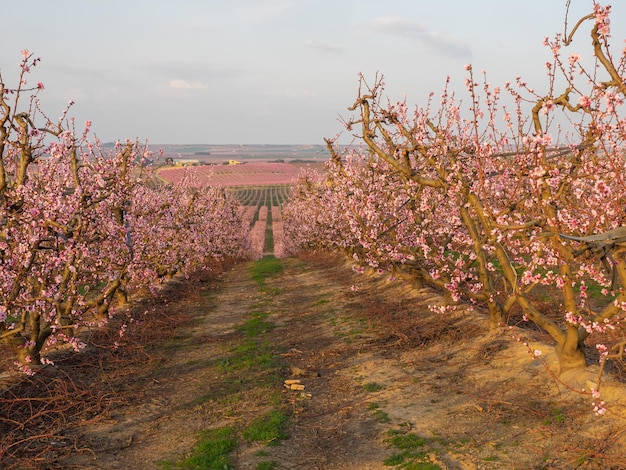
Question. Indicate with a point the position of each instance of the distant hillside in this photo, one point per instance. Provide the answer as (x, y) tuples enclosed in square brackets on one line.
[(220, 153)]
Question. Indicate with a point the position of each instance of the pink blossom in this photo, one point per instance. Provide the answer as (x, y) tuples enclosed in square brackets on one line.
[(573, 58), (602, 20), (599, 408)]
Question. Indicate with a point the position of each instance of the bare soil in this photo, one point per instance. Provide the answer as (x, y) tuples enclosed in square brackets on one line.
[(375, 362)]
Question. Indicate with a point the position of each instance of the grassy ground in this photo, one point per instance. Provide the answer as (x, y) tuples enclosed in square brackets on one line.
[(381, 382)]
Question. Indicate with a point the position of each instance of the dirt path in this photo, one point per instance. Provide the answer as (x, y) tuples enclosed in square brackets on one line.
[(330, 424), (386, 381)]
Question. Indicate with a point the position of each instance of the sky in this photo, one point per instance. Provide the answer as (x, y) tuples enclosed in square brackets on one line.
[(267, 71)]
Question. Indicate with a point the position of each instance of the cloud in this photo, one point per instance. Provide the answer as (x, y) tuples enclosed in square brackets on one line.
[(437, 42), (323, 46), (180, 84)]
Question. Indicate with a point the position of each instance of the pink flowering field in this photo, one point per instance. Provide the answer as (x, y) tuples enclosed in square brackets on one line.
[(246, 174)]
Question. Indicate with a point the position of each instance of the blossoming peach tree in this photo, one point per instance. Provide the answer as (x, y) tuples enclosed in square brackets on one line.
[(491, 198), (80, 227)]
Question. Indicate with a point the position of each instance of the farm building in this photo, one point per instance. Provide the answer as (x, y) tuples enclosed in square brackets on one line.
[(185, 162)]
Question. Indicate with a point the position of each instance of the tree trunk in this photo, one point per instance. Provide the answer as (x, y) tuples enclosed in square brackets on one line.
[(570, 352)]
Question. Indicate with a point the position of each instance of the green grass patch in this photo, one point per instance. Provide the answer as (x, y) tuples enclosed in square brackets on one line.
[(418, 461), (395, 459), (251, 353), (379, 415), (248, 355), (256, 325), (407, 441), (212, 452), (412, 455), (269, 239), (265, 267), (268, 428), (372, 387), (267, 465)]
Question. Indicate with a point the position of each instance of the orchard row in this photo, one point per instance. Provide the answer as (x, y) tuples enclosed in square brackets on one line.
[(81, 229), (499, 198), (262, 211), (266, 233), (266, 195)]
